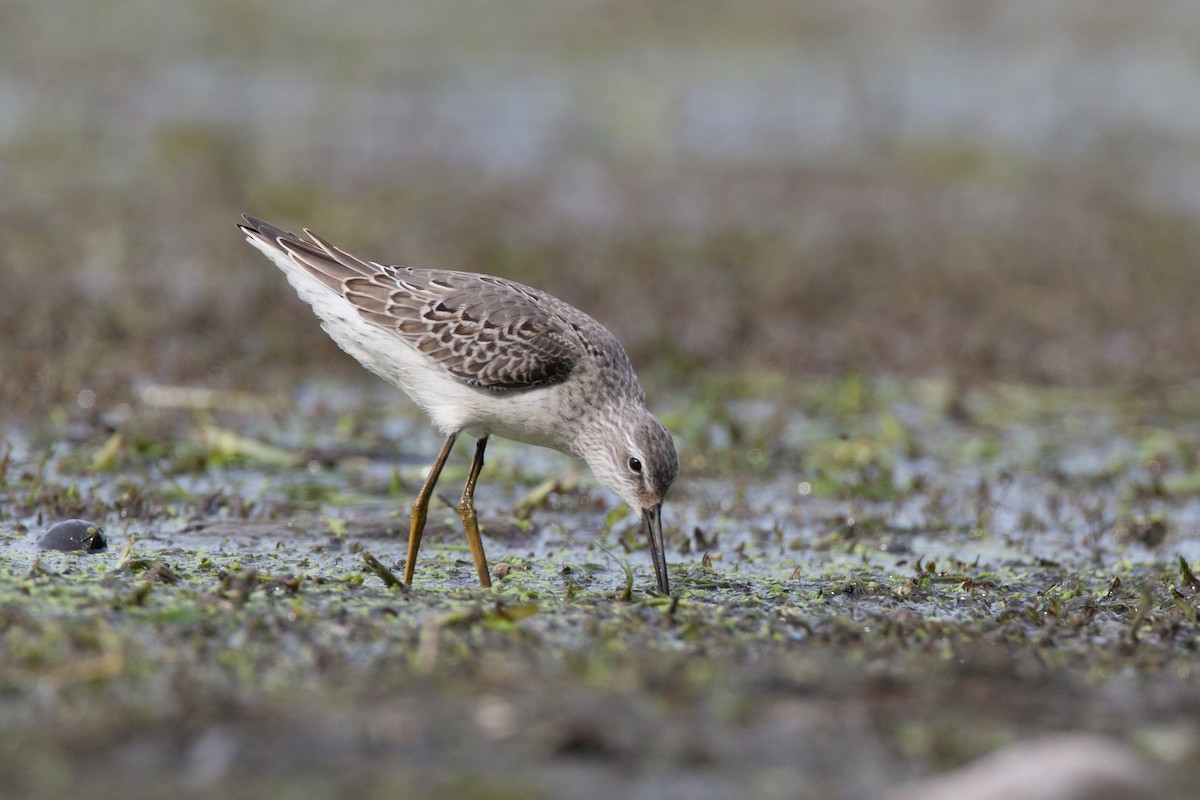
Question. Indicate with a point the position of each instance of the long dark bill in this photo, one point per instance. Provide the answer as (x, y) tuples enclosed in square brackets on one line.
[(654, 537)]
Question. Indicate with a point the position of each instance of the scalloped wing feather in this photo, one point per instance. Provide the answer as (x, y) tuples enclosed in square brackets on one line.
[(487, 332)]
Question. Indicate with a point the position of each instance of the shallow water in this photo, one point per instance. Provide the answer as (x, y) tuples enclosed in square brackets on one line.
[(790, 493)]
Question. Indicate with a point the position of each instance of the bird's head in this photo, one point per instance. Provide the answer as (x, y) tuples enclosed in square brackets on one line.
[(636, 459)]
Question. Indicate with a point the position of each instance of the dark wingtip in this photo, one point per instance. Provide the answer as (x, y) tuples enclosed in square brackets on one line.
[(263, 228), (250, 223)]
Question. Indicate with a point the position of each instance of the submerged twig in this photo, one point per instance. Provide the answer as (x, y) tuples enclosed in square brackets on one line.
[(386, 575), (126, 551)]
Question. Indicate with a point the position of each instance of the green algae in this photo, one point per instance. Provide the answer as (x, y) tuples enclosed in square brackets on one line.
[(879, 563)]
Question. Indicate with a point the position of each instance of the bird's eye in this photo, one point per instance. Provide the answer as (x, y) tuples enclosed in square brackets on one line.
[(635, 463)]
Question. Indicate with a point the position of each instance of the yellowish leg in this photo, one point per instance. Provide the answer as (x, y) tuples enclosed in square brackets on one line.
[(466, 512), (420, 509)]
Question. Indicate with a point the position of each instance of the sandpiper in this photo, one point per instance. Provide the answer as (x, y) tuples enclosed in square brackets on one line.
[(485, 355)]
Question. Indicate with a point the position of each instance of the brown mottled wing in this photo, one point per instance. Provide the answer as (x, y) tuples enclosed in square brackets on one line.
[(485, 331)]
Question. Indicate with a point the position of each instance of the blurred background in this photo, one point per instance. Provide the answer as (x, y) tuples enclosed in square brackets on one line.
[(964, 189)]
